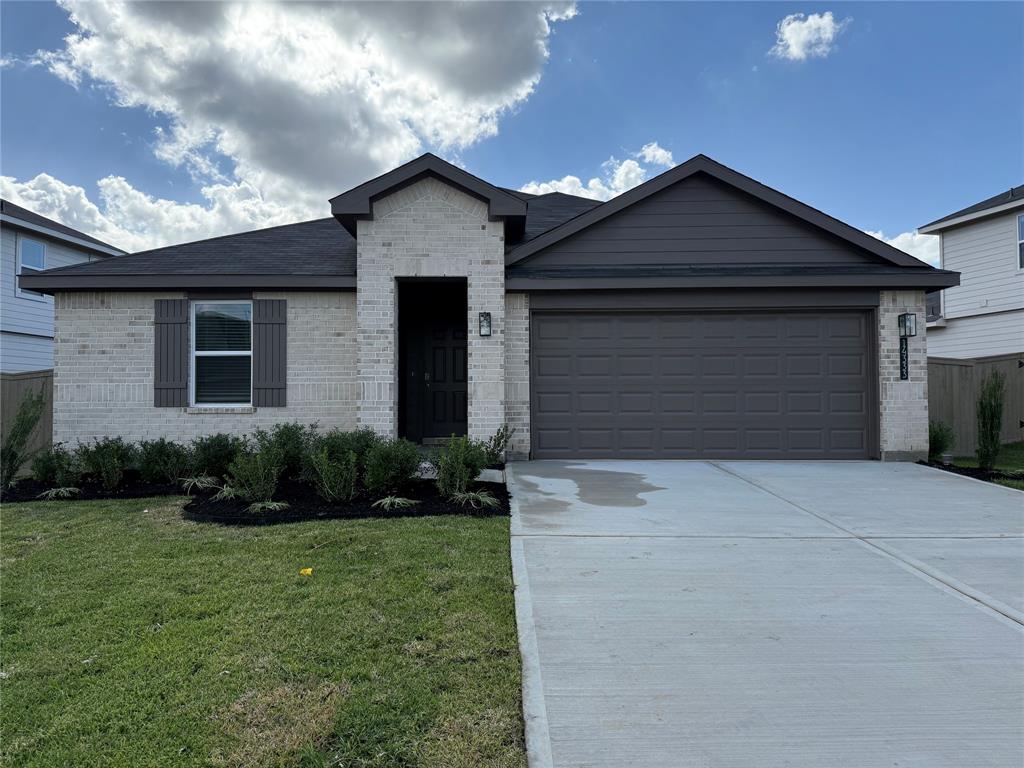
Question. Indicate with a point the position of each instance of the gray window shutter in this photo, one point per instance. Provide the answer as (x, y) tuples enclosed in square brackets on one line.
[(170, 358), (269, 352)]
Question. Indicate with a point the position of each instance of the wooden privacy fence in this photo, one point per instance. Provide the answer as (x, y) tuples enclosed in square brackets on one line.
[(953, 387), (13, 388)]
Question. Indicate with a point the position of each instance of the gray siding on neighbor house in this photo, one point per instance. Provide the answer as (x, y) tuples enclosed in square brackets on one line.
[(29, 317), (700, 220), (985, 253)]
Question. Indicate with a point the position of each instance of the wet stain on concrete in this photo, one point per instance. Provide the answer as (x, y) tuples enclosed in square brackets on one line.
[(542, 501), (597, 487)]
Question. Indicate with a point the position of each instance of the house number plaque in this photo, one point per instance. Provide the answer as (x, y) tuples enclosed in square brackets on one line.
[(904, 361)]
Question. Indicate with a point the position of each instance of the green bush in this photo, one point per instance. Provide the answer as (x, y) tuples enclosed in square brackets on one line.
[(253, 475), (390, 464), (940, 439), (213, 454), (458, 464), (58, 467), (334, 478), (289, 441), (495, 447), (161, 461), (359, 442), (990, 418), (106, 460), (13, 450)]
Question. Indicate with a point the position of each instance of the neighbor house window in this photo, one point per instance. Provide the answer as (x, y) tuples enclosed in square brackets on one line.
[(222, 353), (1020, 242), (31, 258)]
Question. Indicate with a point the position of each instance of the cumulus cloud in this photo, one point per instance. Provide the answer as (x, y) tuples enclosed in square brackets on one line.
[(278, 106), (923, 247), (617, 176), (806, 36)]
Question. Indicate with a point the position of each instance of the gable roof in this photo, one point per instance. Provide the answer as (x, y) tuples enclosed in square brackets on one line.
[(704, 164), (1004, 201), (357, 203), (314, 253), (16, 215)]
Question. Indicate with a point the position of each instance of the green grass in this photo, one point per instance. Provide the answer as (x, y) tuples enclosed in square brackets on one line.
[(1011, 459), (131, 637)]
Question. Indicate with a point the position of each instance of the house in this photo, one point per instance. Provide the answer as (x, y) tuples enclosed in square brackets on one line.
[(701, 314), (30, 243), (984, 315)]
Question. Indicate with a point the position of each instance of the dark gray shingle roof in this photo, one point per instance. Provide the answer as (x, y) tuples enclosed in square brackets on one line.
[(320, 247), (1011, 196), (7, 208)]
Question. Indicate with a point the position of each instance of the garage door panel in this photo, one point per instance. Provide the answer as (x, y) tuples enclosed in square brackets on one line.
[(754, 385)]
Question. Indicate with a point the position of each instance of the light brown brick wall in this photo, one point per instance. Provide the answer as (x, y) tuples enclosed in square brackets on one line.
[(903, 405), (430, 229), (517, 372), (103, 377)]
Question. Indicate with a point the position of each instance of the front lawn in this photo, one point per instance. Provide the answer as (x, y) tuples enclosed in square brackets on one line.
[(1011, 459), (133, 637)]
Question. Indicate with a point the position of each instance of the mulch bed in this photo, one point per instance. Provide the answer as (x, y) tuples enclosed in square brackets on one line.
[(304, 504), (131, 487), (988, 475)]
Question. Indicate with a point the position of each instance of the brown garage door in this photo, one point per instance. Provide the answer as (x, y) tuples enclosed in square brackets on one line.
[(766, 385)]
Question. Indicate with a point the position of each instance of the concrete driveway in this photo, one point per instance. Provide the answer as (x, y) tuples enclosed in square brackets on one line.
[(759, 614)]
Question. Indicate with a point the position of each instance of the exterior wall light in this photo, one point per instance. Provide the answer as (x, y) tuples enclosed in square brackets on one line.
[(907, 324), (485, 323)]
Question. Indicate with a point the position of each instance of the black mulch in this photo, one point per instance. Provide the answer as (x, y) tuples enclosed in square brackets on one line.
[(988, 475), (131, 487), (304, 504)]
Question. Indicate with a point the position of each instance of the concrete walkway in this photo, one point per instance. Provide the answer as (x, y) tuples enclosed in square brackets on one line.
[(759, 614)]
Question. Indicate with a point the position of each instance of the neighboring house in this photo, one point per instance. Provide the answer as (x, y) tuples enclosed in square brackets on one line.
[(30, 243), (984, 315), (699, 315)]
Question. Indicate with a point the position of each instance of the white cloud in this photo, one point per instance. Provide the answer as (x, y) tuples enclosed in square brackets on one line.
[(923, 247), (806, 36), (617, 177), (275, 107), (656, 155)]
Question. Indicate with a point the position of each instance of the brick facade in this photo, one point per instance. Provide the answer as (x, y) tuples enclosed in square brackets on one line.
[(902, 405), (429, 229), (103, 373), (517, 372)]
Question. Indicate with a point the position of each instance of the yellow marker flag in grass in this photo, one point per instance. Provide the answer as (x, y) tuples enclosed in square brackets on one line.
[(305, 571)]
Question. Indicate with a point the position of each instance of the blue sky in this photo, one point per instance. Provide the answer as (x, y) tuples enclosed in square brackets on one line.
[(909, 112)]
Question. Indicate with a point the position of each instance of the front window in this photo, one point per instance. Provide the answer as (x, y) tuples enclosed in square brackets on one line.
[(222, 353), (1020, 242), (31, 258)]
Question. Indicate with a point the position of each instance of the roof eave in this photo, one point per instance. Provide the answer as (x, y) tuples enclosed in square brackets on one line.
[(940, 225), (85, 245), (50, 284)]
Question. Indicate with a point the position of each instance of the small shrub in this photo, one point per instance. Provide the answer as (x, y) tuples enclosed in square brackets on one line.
[(390, 464), (990, 418), (106, 460), (475, 499), (259, 507), (213, 454), (940, 439), (161, 461), (253, 476), (458, 464), (389, 503), (13, 451), (199, 483), (59, 493), (57, 466), (333, 478), (289, 441), (359, 442), (495, 447)]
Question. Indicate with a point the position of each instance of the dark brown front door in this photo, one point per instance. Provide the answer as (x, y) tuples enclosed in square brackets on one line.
[(443, 386)]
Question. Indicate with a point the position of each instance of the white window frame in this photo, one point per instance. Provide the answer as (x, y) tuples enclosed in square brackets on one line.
[(1020, 239), (18, 290), (194, 353)]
